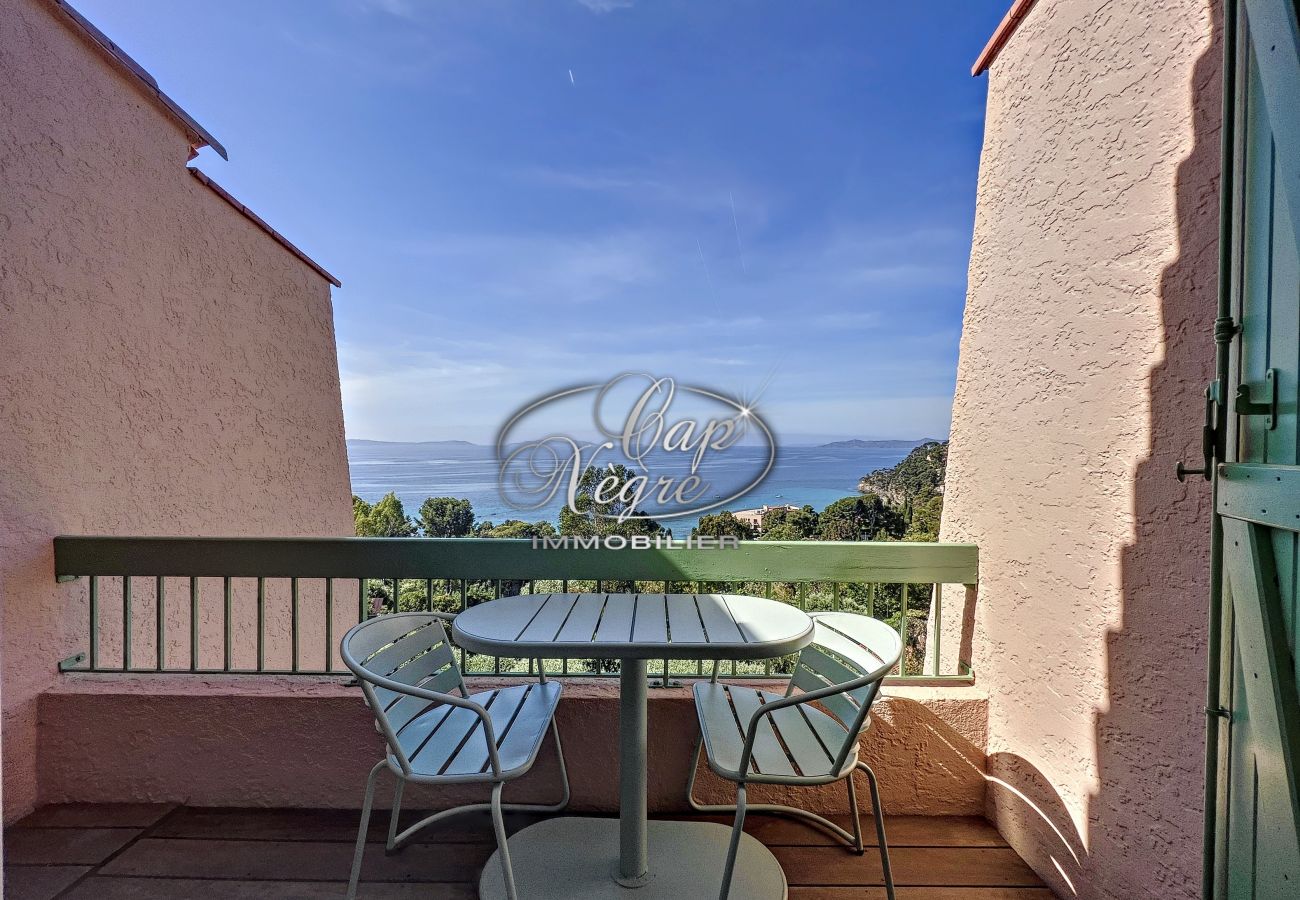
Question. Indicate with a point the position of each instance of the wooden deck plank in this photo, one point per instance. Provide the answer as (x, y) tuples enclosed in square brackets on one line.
[(96, 815), (294, 861), (217, 823), (901, 831), (64, 846), (40, 882), (118, 888), (914, 866), (921, 893)]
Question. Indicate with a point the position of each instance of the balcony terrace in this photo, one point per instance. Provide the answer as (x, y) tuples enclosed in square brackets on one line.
[(210, 677)]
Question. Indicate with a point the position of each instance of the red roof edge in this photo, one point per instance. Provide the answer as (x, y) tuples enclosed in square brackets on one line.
[(261, 223), (199, 136), (1006, 28)]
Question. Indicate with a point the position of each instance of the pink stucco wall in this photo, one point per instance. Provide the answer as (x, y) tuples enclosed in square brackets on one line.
[(236, 741), (165, 366), (1085, 349)]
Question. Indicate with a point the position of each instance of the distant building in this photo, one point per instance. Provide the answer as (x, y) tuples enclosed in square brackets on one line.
[(754, 517)]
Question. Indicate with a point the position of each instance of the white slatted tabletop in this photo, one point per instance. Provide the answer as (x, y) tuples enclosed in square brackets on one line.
[(588, 858), (634, 626)]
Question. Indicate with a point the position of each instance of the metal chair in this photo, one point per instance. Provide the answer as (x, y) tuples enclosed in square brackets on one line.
[(407, 670), (755, 737)]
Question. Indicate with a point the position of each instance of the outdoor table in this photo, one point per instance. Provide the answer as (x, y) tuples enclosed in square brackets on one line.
[(575, 857)]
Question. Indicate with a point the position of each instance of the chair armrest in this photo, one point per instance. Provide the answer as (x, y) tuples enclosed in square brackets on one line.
[(751, 731), (451, 699)]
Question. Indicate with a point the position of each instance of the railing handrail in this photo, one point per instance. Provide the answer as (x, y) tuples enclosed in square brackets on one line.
[(513, 558)]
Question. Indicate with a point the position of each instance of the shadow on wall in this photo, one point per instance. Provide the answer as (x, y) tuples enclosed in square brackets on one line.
[(1147, 814), (1144, 820)]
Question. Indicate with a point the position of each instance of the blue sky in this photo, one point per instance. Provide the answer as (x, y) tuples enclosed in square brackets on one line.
[(765, 198)]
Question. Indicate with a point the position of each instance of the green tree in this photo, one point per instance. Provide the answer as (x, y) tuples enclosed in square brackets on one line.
[(723, 524), (384, 518), (783, 532), (862, 518), (593, 516), (515, 528), (442, 517), (802, 523), (924, 525)]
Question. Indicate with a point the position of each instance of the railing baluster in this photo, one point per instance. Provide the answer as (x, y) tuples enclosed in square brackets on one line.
[(902, 631), (767, 663), (293, 623), (261, 624), (126, 623), (194, 624), (94, 622), (329, 625), (227, 649), (464, 605), (362, 605), (936, 603), (428, 595), (160, 622), (835, 596), (871, 599)]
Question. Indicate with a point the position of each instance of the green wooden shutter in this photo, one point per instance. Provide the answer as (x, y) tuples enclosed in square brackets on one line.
[(1255, 737)]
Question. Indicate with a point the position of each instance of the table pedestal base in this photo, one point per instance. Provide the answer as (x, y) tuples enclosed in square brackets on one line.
[(577, 859)]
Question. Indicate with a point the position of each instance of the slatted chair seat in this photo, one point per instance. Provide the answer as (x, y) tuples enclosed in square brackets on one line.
[(437, 732), (806, 736), (449, 743), (797, 741)]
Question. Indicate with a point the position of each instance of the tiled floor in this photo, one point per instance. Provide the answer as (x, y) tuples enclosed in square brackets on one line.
[(146, 852)]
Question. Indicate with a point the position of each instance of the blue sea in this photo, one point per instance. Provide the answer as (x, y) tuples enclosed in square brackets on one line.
[(802, 475)]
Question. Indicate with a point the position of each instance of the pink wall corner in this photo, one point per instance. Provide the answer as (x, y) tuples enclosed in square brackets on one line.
[(1086, 345), (168, 368)]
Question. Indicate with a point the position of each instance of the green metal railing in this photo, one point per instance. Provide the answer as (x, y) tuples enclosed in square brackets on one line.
[(277, 606)]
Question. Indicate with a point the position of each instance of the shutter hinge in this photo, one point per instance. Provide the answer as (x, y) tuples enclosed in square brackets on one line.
[(1209, 438), (1246, 405), (1225, 329)]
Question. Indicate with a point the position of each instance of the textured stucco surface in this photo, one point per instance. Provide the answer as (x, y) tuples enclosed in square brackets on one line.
[(165, 366), (1085, 349), (309, 742)]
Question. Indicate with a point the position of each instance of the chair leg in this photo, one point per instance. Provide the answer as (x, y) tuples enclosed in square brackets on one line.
[(853, 815), (695, 765), (879, 816), (736, 831), (394, 816), (503, 846), (773, 808), (564, 771), (364, 827), (400, 840)]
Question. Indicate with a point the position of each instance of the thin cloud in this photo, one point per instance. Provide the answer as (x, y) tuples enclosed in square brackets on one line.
[(601, 7), (694, 191)]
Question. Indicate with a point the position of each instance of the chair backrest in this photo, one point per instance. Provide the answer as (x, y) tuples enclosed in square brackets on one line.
[(401, 650), (853, 653)]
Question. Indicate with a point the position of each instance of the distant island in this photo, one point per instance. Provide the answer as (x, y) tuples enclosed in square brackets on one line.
[(851, 444), (857, 444), (369, 443)]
